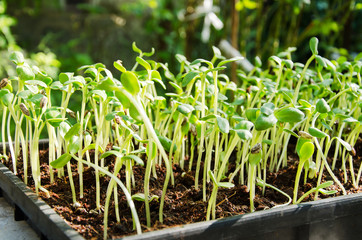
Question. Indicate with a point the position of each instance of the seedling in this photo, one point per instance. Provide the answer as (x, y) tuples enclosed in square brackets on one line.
[(305, 150), (212, 201), (203, 120), (254, 159)]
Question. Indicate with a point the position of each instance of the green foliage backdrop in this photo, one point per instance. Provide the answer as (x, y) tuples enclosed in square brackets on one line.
[(86, 31)]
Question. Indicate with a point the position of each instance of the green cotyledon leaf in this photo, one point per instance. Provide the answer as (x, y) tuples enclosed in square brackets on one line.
[(315, 132), (244, 134), (264, 122), (61, 161), (74, 130), (185, 108), (137, 159), (322, 106), (289, 114), (313, 45), (223, 124), (130, 82), (306, 151), (166, 143), (25, 72)]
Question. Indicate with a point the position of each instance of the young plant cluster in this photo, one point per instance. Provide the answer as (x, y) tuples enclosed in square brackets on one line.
[(201, 122)]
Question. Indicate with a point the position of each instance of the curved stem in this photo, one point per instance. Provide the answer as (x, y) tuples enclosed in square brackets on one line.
[(207, 163), (153, 135), (261, 183), (296, 92), (3, 125), (231, 147), (297, 178), (329, 169), (203, 129), (80, 165), (124, 189), (337, 95), (147, 185), (11, 147), (211, 203)]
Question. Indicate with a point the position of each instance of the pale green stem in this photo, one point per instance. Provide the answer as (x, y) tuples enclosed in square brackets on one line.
[(251, 183), (96, 157), (106, 206), (218, 150), (147, 186), (338, 95), (168, 122), (19, 135), (183, 152), (230, 149), (65, 101), (337, 149), (207, 164), (3, 125), (116, 205), (277, 146), (280, 73), (211, 203), (306, 194), (11, 147), (82, 128), (296, 91), (124, 189), (329, 169), (321, 168), (202, 137), (51, 150), (16, 137), (261, 183), (71, 182), (34, 158), (243, 160), (256, 97), (17, 119), (24, 148), (215, 133), (297, 178), (350, 160), (318, 156), (128, 175), (153, 135), (285, 146), (192, 150), (26, 155)]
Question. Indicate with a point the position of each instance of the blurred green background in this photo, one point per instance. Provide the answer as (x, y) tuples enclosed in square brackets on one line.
[(61, 35)]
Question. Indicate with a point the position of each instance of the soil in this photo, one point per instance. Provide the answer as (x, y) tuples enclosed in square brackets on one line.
[(183, 202)]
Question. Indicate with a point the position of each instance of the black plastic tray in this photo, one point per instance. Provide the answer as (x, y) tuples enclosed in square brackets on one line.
[(29, 206), (332, 218)]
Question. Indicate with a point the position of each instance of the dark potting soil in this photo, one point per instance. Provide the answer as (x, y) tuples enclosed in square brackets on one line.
[(183, 203)]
